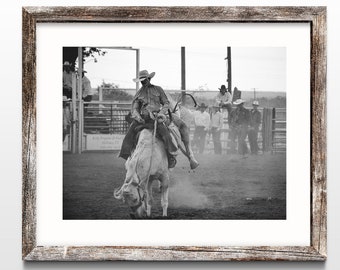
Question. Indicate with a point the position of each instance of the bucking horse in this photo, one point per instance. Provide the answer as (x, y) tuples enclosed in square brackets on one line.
[(149, 163)]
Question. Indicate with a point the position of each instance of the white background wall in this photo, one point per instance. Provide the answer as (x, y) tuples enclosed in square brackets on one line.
[(10, 139)]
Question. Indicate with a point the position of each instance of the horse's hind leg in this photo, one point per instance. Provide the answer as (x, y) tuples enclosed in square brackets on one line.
[(164, 194)]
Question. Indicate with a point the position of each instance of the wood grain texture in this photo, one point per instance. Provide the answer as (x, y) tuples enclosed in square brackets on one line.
[(173, 14), (174, 253), (315, 16), (318, 147), (28, 133)]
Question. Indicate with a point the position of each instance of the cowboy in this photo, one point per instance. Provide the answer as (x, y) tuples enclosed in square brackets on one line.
[(241, 120), (224, 98), (216, 125), (255, 122), (86, 91), (66, 117), (86, 86), (202, 124), (67, 80), (151, 99)]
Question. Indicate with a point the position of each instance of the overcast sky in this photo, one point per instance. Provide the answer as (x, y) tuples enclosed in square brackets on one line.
[(263, 68)]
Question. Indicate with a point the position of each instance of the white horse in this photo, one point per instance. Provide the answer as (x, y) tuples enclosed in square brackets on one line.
[(147, 163)]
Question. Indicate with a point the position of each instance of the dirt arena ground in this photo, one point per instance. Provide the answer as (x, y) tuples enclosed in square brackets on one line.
[(223, 187)]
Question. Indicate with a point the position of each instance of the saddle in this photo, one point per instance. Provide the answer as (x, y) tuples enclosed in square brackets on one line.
[(173, 131)]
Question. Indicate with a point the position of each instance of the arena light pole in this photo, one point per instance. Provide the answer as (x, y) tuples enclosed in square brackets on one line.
[(137, 67), (80, 100), (228, 58), (183, 86)]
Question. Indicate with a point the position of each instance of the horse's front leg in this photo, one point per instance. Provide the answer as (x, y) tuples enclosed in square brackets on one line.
[(165, 194), (148, 199)]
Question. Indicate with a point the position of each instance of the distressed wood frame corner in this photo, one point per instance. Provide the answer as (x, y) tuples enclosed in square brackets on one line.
[(315, 16)]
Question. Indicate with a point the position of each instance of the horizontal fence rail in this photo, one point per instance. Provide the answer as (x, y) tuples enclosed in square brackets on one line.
[(110, 119)]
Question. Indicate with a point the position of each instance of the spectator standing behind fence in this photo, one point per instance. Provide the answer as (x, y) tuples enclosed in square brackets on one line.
[(255, 121), (216, 125), (202, 123), (86, 91), (66, 117), (67, 80), (224, 99), (67, 96), (242, 121), (86, 86)]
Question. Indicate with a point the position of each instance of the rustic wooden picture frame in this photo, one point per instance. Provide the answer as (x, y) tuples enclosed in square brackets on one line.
[(315, 16)]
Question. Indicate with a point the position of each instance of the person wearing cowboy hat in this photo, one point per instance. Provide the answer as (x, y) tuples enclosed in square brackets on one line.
[(149, 99), (87, 91), (66, 117), (255, 122), (67, 80), (241, 120), (216, 125), (202, 123), (224, 98)]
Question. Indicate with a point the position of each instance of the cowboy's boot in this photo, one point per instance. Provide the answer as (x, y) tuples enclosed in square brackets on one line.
[(190, 154)]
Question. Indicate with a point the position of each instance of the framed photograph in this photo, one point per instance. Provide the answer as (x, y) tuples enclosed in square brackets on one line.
[(189, 134)]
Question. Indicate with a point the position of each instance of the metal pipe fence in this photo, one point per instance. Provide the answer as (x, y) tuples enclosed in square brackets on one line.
[(110, 118)]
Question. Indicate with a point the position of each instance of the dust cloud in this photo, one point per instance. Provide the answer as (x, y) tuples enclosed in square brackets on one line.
[(184, 194)]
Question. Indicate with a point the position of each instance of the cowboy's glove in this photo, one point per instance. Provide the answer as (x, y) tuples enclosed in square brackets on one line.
[(136, 116), (152, 115), (161, 117)]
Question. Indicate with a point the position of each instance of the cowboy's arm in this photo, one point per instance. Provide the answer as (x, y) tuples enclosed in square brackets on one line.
[(247, 117), (164, 102), (229, 98), (258, 118), (135, 111), (218, 99)]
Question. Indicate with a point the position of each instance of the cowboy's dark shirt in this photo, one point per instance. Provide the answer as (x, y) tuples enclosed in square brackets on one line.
[(242, 116), (255, 118), (151, 98)]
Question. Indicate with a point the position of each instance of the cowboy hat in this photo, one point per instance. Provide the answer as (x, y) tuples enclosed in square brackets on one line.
[(239, 101), (255, 103), (223, 88), (144, 74)]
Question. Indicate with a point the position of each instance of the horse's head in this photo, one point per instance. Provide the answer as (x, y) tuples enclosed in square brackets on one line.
[(134, 196)]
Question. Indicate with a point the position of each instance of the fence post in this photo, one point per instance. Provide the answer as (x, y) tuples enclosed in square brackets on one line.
[(74, 115), (267, 129), (273, 130)]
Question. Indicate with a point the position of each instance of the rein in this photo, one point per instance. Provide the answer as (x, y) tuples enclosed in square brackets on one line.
[(141, 198)]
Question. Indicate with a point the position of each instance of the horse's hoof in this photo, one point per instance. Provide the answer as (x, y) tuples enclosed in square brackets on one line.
[(193, 164)]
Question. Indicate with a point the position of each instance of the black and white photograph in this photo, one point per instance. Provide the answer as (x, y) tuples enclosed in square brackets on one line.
[(174, 132), (188, 134)]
